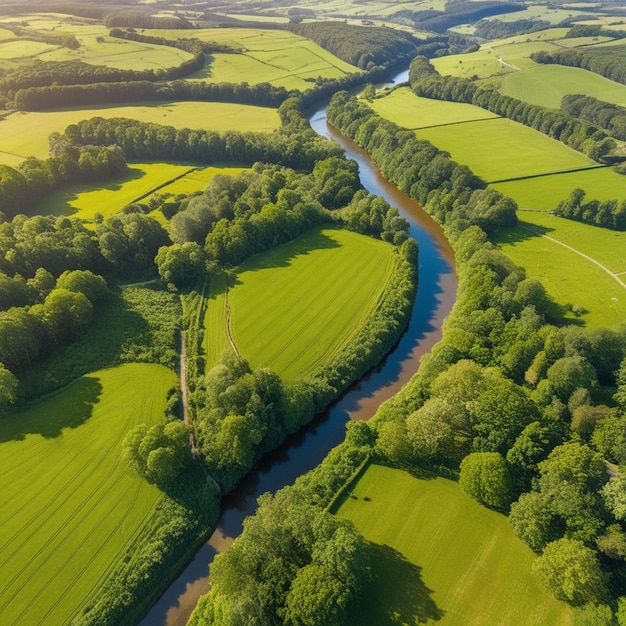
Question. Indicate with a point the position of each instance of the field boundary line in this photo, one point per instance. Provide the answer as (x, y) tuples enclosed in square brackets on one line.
[(481, 119), (228, 333), (165, 184), (614, 276), (556, 173)]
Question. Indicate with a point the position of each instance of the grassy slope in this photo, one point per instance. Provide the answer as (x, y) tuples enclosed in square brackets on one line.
[(26, 134), (406, 109), (293, 307), (441, 556), (71, 507), (500, 149)]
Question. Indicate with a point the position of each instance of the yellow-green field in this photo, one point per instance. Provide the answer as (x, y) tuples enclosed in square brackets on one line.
[(71, 506), (545, 192), (406, 109), (500, 149), (26, 134), (295, 307), (569, 278), (197, 179), (442, 558)]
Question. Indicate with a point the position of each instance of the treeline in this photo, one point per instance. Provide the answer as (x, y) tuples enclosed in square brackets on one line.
[(361, 46), (507, 400), (608, 214), (593, 30), (456, 12), (609, 116), (133, 18), (188, 44), (65, 40), (497, 29), (576, 133), (609, 62)]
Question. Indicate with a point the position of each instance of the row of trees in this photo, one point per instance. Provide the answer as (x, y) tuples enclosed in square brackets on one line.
[(608, 214), (188, 44), (606, 115), (608, 62), (133, 18), (572, 131), (506, 399), (498, 29)]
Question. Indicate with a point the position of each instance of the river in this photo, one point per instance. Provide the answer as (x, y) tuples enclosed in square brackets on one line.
[(306, 449)]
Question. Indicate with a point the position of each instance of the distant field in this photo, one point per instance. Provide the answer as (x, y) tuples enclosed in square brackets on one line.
[(569, 278), (26, 134), (547, 84), (440, 557), (23, 49), (500, 149), (293, 307), (71, 506), (546, 192), (406, 109), (277, 57)]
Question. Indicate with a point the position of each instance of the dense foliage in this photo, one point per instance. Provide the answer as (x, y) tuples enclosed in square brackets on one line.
[(608, 62), (364, 47), (498, 29), (609, 214), (133, 18), (606, 115), (572, 131)]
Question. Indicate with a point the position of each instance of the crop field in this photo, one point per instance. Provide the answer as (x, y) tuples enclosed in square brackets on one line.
[(500, 149), (545, 192), (293, 307), (406, 109), (546, 85), (215, 338), (25, 134), (440, 557), (71, 506), (277, 57), (570, 279)]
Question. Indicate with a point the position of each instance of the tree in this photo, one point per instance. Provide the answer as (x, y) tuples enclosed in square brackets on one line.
[(572, 572), (485, 476), (8, 388), (66, 314), (181, 264), (614, 494)]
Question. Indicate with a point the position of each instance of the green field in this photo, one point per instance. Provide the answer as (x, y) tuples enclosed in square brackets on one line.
[(406, 109), (197, 179), (545, 85), (296, 306), (500, 149), (440, 557), (570, 279), (71, 507), (273, 56), (26, 134), (545, 192)]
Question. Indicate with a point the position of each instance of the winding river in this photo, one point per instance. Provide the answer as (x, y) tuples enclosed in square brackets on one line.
[(306, 449)]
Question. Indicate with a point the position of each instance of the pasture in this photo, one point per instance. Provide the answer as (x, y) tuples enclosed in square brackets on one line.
[(272, 56), (570, 279), (440, 557), (24, 134), (294, 307), (71, 505), (546, 85), (197, 180), (500, 149), (405, 109), (545, 192)]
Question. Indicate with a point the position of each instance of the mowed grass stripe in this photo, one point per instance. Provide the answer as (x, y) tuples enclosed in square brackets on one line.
[(296, 306), (215, 337), (440, 555), (86, 516)]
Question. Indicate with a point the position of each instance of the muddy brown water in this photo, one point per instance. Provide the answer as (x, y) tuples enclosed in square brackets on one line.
[(306, 449)]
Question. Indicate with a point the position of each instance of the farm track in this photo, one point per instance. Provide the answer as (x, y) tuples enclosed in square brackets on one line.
[(615, 277)]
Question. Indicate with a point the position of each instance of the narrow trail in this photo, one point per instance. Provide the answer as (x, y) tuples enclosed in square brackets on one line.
[(614, 276), (228, 333)]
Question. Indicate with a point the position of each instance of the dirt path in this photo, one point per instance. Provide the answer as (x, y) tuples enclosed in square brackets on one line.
[(184, 393), (614, 276), (228, 333), (509, 65)]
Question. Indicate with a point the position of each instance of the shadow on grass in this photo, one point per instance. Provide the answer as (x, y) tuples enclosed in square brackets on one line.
[(397, 594), (68, 408)]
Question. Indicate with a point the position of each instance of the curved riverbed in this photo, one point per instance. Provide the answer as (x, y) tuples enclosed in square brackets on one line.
[(306, 449)]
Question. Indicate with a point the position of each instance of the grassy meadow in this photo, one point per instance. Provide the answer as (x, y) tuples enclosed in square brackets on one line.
[(440, 557), (24, 134), (294, 307), (500, 149), (71, 506), (406, 109), (545, 192), (570, 279)]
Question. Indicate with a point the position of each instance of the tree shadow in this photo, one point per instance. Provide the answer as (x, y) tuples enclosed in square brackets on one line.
[(48, 416), (397, 595)]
